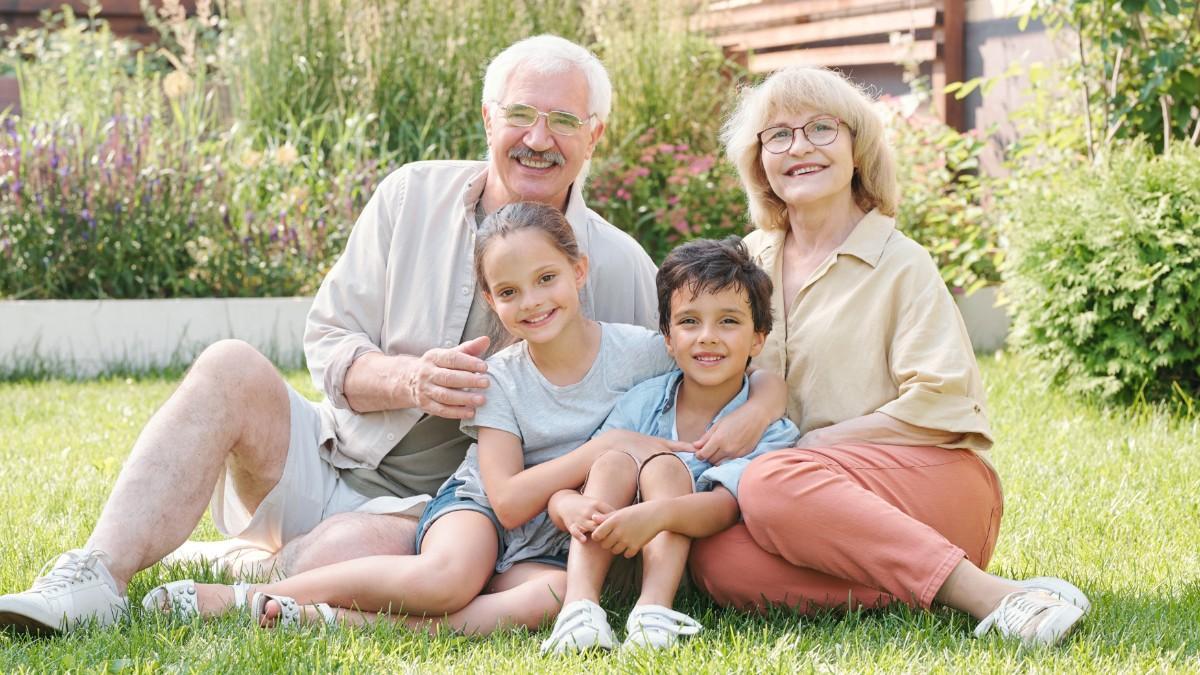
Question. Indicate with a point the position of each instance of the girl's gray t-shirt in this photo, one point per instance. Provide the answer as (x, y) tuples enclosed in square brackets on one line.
[(551, 420)]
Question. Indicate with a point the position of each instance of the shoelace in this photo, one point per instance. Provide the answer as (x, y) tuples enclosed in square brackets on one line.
[(666, 620), (1018, 609), (67, 570)]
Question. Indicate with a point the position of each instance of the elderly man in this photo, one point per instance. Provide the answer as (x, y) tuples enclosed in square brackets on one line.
[(395, 340)]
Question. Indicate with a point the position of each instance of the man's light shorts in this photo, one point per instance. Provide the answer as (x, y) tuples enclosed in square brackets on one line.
[(309, 491)]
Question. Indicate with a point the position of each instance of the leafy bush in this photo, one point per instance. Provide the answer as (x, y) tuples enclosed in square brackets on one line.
[(669, 194), (1104, 274), (942, 195)]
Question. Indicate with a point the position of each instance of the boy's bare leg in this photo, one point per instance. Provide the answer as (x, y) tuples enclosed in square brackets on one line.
[(665, 556), (612, 479)]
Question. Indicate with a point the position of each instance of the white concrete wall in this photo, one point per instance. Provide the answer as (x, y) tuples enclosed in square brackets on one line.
[(987, 323), (86, 337)]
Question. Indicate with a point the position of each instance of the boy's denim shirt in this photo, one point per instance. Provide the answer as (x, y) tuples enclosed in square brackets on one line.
[(649, 408)]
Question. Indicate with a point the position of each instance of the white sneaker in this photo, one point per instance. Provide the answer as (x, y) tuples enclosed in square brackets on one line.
[(580, 625), (77, 589), (236, 557), (1035, 617), (657, 627), (1059, 588)]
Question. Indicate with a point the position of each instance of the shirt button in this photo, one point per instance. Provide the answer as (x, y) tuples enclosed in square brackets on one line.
[(466, 290), (448, 343), (976, 408), (391, 437)]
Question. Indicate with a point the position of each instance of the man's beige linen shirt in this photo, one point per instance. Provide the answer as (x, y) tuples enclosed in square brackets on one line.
[(406, 280), (873, 330)]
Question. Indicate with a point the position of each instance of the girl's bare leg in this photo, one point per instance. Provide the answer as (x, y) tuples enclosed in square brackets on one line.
[(612, 479), (665, 556), (457, 558), (526, 595)]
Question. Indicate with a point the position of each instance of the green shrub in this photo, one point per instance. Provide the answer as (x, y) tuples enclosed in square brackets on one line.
[(942, 197), (1104, 273), (669, 194)]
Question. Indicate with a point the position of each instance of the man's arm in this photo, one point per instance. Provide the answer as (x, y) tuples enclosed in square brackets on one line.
[(434, 382), (879, 428)]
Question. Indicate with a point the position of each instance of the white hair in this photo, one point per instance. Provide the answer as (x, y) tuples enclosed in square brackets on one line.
[(550, 55)]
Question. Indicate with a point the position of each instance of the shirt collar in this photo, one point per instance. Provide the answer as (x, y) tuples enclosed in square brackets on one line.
[(473, 191), (672, 390), (866, 241)]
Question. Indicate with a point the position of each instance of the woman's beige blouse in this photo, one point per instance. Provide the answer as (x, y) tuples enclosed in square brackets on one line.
[(873, 329)]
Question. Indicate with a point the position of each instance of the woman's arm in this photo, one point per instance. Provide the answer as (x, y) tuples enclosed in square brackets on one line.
[(879, 428), (737, 434), (517, 494)]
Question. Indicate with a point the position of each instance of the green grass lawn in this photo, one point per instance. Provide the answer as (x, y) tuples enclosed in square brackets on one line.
[(1105, 498)]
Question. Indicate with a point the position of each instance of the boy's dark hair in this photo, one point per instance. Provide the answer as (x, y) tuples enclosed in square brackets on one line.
[(709, 266)]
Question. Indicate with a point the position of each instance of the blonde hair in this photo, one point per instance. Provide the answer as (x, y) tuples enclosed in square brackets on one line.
[(820, 90)]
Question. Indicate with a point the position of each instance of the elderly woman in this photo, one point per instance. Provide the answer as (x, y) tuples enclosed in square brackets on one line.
[(889, 496)]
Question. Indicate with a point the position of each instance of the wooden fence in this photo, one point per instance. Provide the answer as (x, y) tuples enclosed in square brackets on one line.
[(767, 35)]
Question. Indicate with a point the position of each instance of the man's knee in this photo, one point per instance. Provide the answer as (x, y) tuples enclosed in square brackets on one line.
[(347, 536)]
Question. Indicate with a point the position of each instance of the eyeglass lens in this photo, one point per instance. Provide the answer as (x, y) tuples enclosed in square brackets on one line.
[(818, 132), (559, 122)]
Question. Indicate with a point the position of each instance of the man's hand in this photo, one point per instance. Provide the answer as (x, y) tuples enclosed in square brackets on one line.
[(735, 435), (440, 377), (578, 512), (625, 531), (640, 446)]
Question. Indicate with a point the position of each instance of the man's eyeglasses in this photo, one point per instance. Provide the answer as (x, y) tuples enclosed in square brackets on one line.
[(558, 121), (821, 131)]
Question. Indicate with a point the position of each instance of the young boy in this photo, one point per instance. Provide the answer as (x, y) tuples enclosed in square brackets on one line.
[(715, 313)]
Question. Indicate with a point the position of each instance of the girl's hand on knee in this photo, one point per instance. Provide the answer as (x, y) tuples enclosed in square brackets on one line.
[(579, 513), (626, 531)]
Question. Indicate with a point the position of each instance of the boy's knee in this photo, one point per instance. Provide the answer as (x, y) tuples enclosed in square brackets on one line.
[(614, 466), (664, 471)]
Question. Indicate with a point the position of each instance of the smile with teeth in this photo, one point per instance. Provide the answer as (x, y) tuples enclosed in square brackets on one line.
[(539, 319), (801, 170), (535, 163), (708, 358)]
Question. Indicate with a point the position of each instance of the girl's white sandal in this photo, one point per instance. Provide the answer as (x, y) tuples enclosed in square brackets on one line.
[(179, 598), (290, 611)]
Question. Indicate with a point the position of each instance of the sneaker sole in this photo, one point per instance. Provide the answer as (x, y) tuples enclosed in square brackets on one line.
[(26, 625)]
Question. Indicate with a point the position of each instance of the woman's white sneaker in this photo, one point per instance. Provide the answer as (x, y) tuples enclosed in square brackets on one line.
[(1034, 617), (77, 589), (581, 625)]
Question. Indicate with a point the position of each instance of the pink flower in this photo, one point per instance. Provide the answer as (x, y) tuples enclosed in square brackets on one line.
[(673, 200), (701, 164), (641, 172), (624, 194)]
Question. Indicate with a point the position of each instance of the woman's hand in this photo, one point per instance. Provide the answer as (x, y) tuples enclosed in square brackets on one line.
[(625, 531)]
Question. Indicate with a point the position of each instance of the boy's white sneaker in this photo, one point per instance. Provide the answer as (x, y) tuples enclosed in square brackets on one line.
[(581, 625), (1034, 617), (77, 589), (657, 627)]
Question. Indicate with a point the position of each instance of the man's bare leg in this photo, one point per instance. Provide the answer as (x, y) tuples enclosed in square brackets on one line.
[(231, 406), (343, 537)]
